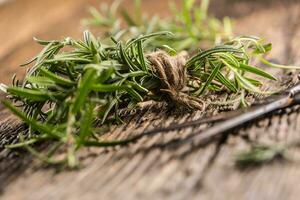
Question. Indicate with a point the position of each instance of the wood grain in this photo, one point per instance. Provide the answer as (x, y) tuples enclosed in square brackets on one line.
[(154, 168)]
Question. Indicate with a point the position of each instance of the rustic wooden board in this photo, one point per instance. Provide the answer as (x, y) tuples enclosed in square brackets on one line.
[(156, 167)]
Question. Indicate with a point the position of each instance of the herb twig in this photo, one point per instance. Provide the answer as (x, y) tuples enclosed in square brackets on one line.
[(192, 25)]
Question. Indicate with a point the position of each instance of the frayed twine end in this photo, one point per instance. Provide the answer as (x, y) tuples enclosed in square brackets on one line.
[(171, 70)]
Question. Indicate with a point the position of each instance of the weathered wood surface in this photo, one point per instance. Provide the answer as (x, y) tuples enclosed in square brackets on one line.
[(155, 167)]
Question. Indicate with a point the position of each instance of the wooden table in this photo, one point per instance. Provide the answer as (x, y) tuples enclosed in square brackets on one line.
[(153, 168)]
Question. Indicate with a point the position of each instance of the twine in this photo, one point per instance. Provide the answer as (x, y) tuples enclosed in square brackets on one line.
[(171, 70)]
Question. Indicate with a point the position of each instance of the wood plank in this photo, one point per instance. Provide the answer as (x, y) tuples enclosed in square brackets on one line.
[(147, 164)]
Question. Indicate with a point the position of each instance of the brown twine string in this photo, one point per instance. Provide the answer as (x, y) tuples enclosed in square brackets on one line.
[(172, 73)]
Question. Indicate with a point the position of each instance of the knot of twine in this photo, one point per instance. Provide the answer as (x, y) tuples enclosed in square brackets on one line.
[(171, 70)]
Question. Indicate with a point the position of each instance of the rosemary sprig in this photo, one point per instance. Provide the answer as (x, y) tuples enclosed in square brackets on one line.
[(192, 26), (259, 155), (67, 91)]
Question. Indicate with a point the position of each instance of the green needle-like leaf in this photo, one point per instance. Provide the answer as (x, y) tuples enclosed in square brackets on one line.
[(57, 79), (257, 71), (86, 123), (30, 94), (85, 86), (213, 74), (32, 122)]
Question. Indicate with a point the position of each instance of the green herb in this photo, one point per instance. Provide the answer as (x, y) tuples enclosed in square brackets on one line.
[(192, 26), (260, 154), (66, 92)]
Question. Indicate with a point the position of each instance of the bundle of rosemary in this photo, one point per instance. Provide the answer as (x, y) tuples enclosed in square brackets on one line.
[(75, 84)]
